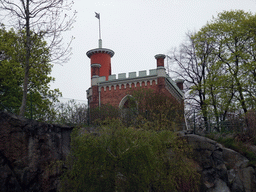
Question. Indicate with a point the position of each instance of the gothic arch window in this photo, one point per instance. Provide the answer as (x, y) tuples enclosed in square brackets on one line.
[(129, 109), (128, 101)]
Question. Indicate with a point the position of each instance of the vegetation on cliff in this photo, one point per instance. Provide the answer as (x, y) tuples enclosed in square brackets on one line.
[(146, 109), (132, 149), (119, 158)]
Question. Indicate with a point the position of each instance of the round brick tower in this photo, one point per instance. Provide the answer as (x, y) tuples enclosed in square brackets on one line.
[(100, 61)]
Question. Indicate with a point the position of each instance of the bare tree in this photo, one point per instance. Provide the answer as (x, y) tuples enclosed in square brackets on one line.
[(192, 67), (209, 89), (46, 18), (71, 113)]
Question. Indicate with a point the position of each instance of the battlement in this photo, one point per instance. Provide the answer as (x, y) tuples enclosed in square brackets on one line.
[(131, 75), (111, 89)]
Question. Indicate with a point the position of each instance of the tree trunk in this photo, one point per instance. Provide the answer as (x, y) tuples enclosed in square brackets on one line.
[(27, 66), (216, 114), (203, 107), (25, 90), (241, 99)]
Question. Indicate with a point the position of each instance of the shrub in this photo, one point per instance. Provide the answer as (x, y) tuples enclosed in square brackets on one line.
[(99, 114), (129, 159), (159, 111)]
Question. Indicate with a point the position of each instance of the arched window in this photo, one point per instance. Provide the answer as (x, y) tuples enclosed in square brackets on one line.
[(129, 109)]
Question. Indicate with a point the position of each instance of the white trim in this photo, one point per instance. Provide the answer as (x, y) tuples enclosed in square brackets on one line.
[(100, 50), (96, 65), (161, 72), (94, 80), (160, 56), (124, 99)]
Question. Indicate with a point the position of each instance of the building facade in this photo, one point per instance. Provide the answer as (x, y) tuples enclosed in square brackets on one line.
[(108, 88)]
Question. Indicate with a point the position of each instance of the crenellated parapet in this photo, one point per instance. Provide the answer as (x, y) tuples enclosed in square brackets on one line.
[(124, 81), (143, 78), (112, 88), (127, 84), (131, 75)]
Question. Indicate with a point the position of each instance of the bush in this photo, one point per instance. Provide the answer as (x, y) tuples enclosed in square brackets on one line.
[(99, 114), (159, 111), (128, 159), (240, 146), (229, 143)]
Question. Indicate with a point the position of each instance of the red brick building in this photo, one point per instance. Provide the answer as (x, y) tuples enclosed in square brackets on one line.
[(114, 90)]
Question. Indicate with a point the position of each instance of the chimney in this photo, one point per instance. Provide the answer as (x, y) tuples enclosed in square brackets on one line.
[(179, 83), (160, 60)]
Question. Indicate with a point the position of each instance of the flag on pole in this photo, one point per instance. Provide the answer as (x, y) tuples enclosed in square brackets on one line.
[(97, 15)]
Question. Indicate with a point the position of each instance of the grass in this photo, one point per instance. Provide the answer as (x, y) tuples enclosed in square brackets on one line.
[(237, 145), (229, 143)]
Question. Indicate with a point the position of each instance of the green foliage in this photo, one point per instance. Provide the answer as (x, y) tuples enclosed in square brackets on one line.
[(238, 145), (39, 20), (99, 114), (143, 108), (117, 158), (231, 62), (12, 62), (228, 142), (218, 63), (157, 111)]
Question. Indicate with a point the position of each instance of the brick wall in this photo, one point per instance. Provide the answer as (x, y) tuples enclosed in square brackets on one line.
[(114, 96)]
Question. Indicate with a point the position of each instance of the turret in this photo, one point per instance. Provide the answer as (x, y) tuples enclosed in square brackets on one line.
[(100, 61)]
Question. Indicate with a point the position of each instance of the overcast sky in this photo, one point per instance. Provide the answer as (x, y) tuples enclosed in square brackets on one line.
[(136, 30)]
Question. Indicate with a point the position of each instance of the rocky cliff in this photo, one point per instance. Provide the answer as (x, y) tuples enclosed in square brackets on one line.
[(222, 169), (29, 153)]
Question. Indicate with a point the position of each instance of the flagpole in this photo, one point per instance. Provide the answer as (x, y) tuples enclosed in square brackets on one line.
[(99, 29), (100, 41)]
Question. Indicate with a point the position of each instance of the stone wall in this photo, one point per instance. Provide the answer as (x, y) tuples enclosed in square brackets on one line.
[(29, 154)]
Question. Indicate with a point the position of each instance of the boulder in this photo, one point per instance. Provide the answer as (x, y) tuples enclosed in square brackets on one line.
[(247, 177), (234, 159), (219, 186), (222, 169)]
